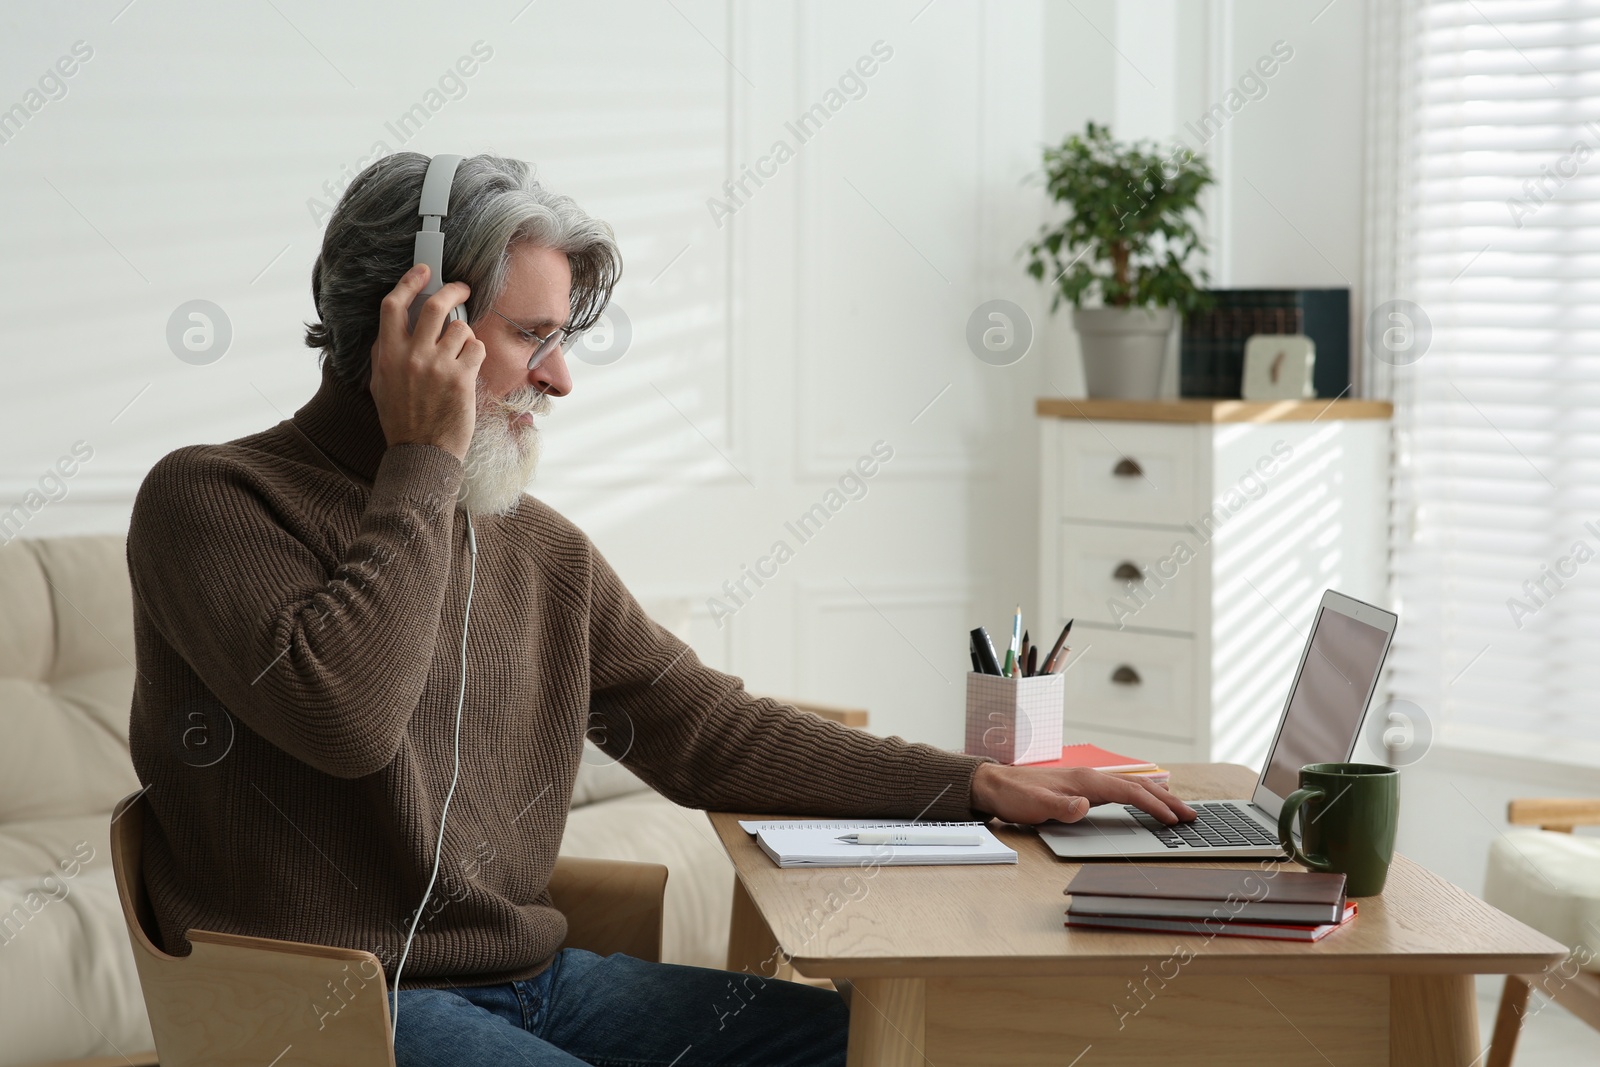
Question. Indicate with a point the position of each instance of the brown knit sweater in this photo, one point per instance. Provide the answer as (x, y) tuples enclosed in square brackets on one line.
[(298, 599)]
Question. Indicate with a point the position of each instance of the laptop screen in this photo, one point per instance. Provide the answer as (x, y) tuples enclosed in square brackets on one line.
[(1329, 698)]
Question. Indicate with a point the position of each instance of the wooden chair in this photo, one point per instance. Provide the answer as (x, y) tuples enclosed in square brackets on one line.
[(238, 1001), (1579, 994)]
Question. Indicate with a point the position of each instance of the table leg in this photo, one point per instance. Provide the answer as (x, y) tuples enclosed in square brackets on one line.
[(752, 948), (887, 1022), (1433, 1020), (1508, 1023)]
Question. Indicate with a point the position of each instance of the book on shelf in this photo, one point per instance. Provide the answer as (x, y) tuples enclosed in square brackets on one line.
[(1213, 894), (1211, 348), (1212, 928)]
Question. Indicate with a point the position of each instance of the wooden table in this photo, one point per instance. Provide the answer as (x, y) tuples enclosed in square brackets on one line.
[(972, 966)]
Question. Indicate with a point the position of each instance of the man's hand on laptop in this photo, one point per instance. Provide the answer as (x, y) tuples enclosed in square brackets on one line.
[(1031, 795)]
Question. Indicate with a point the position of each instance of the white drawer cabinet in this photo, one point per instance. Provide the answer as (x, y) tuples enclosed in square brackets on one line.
[(1192, 540)]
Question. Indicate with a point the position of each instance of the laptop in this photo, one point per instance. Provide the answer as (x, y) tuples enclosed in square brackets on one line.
[(1320, 723)]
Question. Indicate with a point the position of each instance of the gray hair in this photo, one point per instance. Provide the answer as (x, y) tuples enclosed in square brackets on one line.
[(495, 204)]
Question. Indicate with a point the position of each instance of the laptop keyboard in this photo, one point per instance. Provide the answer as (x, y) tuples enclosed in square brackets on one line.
[(1215, 826)]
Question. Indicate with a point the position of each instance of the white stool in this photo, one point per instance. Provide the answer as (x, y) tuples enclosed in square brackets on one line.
[(1550, 879)]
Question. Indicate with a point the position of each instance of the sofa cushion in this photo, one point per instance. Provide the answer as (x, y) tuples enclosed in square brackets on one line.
[(66, 760), (92, 603), (1551, 881), (71, 989), (66, 677), (27, 632), (38, 846)]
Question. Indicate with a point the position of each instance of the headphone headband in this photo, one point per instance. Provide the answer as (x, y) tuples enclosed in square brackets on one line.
[(436, 186), (433, 207)]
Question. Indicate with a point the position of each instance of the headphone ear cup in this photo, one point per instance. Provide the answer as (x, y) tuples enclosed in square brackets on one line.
[(415, 310), (455, 314)]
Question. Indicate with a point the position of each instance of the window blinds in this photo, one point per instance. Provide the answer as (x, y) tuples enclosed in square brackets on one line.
[(1494, 151)]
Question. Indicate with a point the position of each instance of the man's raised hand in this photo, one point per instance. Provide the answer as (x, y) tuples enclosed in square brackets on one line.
[(424, 383)]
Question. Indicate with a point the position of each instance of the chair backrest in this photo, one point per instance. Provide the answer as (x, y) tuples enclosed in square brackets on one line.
[(238, 1001), (611, 905), (224, 1004), (127, 856)]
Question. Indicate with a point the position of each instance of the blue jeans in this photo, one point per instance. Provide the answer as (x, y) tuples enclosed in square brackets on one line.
[(617, 1011)]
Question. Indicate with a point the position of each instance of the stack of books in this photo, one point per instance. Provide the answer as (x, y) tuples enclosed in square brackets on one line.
[(1099, 759), (1212, 902)]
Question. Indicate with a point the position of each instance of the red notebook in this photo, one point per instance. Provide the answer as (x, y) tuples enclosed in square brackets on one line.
[(1099, 759)]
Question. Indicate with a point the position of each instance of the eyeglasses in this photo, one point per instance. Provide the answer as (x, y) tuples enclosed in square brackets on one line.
[(542, 346)]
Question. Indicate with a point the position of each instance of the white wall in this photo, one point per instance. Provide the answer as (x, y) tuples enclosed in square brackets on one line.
[(768, 355)]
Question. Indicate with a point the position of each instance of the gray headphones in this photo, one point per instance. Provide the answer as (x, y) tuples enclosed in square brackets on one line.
[(433, 207)]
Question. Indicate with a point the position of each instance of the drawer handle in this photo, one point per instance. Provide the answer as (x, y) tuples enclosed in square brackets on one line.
[(1126, 675), (1128, 468), (1128, 572)]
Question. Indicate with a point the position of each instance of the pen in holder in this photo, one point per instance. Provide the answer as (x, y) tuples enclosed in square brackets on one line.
[(1015, 720)]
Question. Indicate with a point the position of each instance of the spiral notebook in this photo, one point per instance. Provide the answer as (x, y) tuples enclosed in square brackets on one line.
[(816, 844)]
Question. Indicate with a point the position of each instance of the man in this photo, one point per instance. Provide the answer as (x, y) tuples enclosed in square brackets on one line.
[(306, 589)]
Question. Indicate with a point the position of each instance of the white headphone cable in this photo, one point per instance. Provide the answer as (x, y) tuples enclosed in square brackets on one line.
[(438, 849)]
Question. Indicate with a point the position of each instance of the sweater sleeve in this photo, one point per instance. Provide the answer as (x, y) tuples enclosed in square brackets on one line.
[(326, 663), (694, 734)]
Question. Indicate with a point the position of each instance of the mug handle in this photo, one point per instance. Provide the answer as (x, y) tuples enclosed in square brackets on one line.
[(1291, 808)]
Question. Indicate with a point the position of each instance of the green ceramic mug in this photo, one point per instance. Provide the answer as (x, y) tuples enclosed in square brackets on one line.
[(1351, 813)]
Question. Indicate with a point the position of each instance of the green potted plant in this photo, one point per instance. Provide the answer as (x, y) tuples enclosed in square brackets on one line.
[(1122, 250)]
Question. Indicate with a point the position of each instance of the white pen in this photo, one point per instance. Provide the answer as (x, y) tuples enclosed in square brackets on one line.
[(901, 837)]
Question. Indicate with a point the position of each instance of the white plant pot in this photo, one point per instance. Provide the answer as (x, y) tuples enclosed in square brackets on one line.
[(1124, 349)]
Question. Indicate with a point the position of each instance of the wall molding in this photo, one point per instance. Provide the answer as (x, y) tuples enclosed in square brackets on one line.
[(815, 599), (816, 456)]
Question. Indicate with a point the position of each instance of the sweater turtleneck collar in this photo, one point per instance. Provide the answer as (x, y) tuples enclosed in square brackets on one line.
[(342, 421)]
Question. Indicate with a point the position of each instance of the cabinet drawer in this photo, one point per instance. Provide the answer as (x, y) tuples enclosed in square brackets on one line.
[(1140, 683), (1127, 472), (1129, 576)]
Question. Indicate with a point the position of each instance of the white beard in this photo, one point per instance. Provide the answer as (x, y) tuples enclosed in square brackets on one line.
[(502, 455)]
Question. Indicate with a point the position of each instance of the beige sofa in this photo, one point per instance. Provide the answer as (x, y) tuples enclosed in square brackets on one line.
[(67, 984)]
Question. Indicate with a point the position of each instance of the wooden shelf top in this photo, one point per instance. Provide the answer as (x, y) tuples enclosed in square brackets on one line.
[(1192, 409)]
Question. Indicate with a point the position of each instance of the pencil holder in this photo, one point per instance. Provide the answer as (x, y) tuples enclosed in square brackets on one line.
[(1015, 720)]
